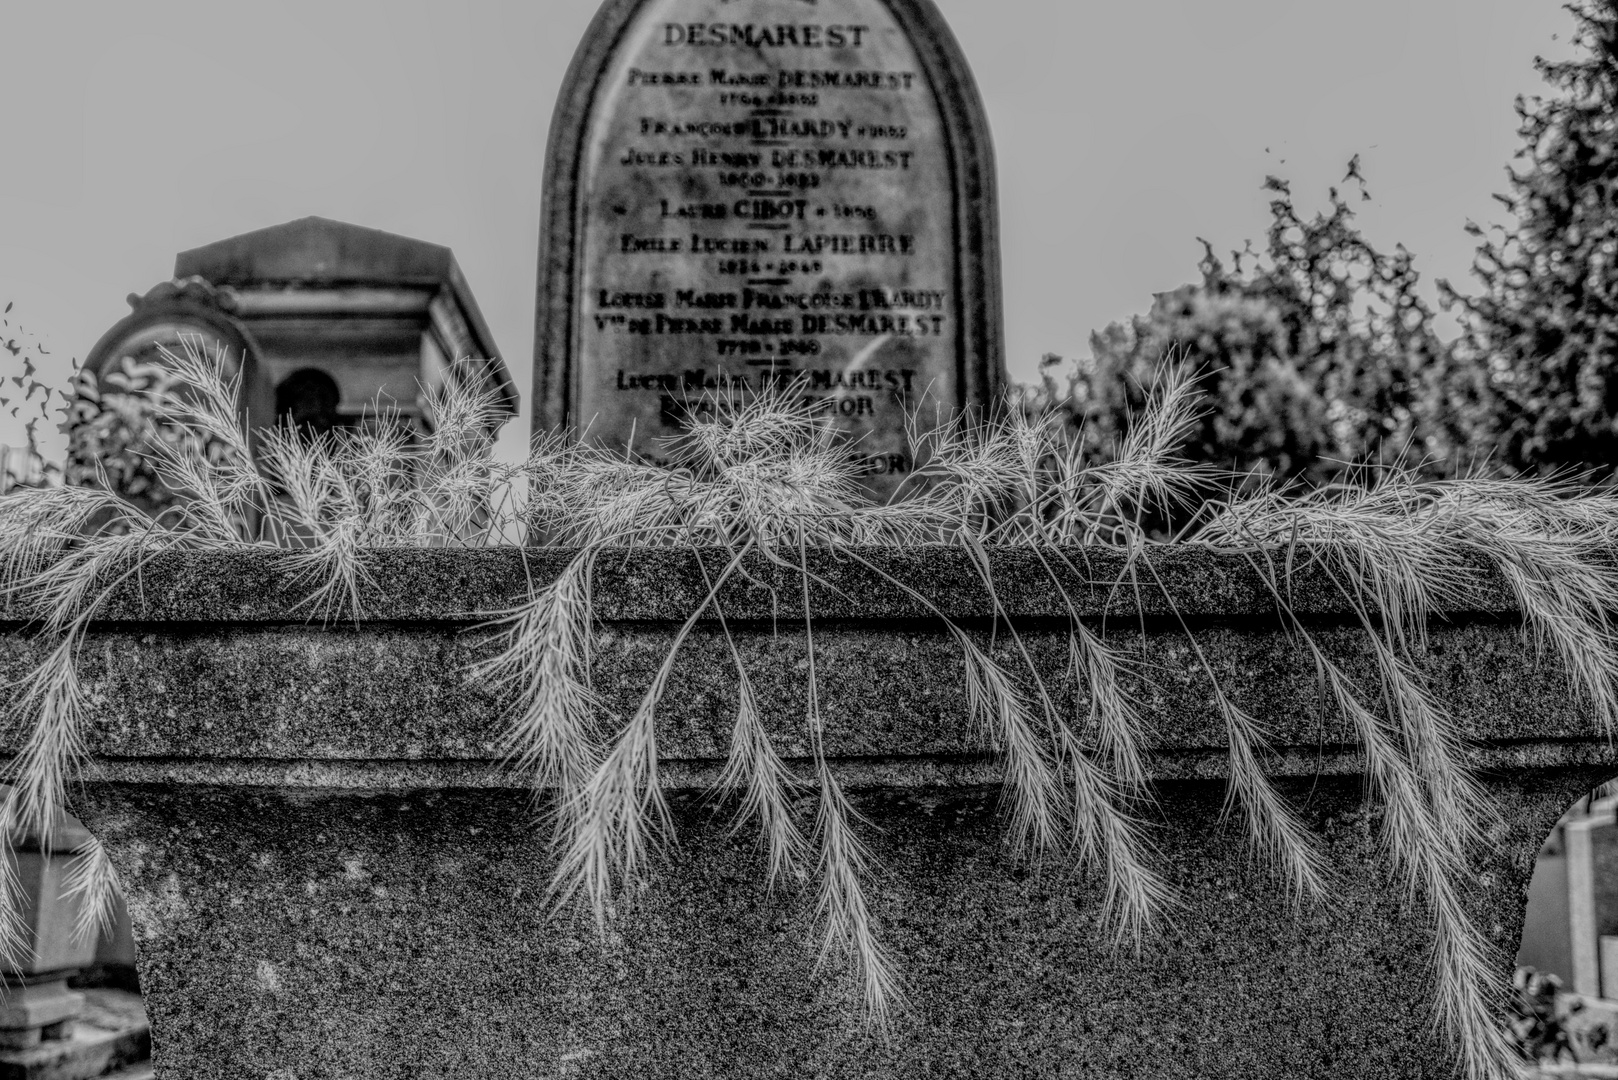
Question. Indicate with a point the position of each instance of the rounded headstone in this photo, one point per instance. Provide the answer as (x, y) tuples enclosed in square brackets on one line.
[(743, 194)]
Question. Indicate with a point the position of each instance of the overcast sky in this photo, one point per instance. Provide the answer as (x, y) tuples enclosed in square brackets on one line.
[(1124, 129)]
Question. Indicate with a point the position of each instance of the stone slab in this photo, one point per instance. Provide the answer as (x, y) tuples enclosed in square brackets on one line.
[(24, 1010), (650, 585), (391, 693), (330, 871), (332, 934), (111, 1035)]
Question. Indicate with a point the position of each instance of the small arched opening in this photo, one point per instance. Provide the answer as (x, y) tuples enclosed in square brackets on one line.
[(308, 399)]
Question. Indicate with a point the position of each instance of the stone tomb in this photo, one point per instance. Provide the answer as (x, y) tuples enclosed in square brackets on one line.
[(742, 193)]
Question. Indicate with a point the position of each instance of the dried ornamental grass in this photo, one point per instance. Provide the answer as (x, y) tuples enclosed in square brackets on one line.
[(766, 478)]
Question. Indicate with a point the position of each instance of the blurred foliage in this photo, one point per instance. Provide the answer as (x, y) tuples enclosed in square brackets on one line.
[(1540, 1016), (1317, 353), (1312, 356), (25, 466), (114, 431), (1545, 328)]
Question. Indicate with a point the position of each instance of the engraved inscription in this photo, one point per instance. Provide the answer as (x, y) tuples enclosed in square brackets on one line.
[(767, 202)]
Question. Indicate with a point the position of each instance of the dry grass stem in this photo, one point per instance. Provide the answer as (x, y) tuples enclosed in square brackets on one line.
[(754, 769), (92, 883)]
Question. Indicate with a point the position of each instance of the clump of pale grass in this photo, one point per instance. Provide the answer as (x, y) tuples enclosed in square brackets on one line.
[(64, 551), (764, 477), (1400, 551)]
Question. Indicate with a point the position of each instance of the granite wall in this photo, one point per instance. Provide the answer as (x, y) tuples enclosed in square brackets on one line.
[(332, 874)]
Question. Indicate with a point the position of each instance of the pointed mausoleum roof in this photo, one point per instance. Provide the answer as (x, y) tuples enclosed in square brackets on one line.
[(319, 253), (318, 250)]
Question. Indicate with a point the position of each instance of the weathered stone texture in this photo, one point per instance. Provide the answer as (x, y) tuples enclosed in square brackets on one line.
[(404, 935), (333, 874)]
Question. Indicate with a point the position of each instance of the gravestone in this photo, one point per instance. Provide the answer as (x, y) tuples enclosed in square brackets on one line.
[(744, 194)]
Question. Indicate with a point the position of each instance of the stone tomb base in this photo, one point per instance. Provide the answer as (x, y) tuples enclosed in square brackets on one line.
[(37, 1008), (331, 934)]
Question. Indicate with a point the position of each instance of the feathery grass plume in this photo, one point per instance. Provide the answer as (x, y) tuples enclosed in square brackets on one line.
[(1004, 722), (331, 496), (1394, 559), (1111, 714), (16, 940), (1428, 853), (968, 474), (1097, 672), (457, 482), (91, 881), (1149, 469), (1434, 744), (310, 521), (769, 468), (840, 902), (843, 861), (62, 551), (52, 701), (621, 814), (1470, 997), (49, 702), (63, 591), (211, 463), (1433, 808), (1135, 895), (581, 495), (39, 525), (1273, 828), (543, 667), (1393, 572), (1379, 533), (1100, 832), (1149, 483), (1422, 846), (1553, 548), (341, 492), (753, 768)]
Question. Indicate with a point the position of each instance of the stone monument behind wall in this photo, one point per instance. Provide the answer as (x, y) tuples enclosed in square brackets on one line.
[(742, 193), (344, 317), (324, 318)]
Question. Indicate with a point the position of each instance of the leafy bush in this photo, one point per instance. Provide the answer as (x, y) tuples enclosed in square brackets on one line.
[(1311, 357), (25, 466), (1540, 1014), (1545, 329)]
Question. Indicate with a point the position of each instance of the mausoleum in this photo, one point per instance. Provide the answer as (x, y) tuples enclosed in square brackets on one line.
[(328, 320)]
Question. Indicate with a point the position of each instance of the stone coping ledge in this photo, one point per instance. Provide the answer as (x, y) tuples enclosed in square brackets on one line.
[(653, 585), (887, 772)]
